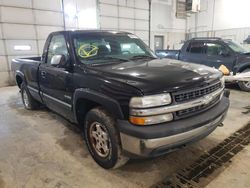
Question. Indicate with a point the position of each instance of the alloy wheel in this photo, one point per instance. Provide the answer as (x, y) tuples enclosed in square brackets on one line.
[(26, 99), (247, 84), (99, 139)]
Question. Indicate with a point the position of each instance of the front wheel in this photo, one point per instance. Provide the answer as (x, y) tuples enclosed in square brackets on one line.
[(245, 86), (102, 139)]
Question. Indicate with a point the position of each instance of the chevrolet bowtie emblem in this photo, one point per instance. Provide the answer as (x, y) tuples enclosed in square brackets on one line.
[(208, 99)]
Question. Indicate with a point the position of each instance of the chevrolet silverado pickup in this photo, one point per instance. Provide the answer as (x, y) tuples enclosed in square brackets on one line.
[(215, 52), (128, 103)]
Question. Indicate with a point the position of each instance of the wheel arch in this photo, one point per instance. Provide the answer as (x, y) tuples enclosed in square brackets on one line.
[(244, 67), (86, 99), (19, 78)]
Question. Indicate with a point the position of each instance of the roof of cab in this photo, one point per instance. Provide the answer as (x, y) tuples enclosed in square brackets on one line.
[(92, 31)]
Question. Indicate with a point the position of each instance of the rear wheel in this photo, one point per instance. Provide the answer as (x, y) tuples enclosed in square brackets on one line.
[(28, 101), (102, 139), (245, 86)]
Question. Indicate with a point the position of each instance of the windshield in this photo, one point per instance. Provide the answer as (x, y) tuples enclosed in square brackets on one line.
[(236, 47), (99, 48)]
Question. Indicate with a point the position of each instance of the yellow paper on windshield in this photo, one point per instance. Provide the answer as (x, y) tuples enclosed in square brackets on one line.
[(87, 50)]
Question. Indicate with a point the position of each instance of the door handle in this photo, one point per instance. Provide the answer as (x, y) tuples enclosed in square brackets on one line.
[(43, 74)]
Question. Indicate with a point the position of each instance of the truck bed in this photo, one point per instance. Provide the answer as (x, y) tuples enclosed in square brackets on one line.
[(16, 64), (29, 67)]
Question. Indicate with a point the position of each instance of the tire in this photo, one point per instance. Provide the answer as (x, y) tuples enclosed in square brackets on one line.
[(245, 86), (102, 139), (28, 101)]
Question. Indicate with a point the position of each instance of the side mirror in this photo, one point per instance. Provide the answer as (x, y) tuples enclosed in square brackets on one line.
[(58, 60)]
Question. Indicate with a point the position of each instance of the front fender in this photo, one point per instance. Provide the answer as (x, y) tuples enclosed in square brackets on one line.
[(108, 103)]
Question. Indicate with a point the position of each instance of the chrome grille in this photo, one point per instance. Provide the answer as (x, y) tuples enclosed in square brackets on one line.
[(190, 95), (197, 109)]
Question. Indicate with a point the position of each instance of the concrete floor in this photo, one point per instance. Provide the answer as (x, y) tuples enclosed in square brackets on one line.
[(39, 149), (235, 175)]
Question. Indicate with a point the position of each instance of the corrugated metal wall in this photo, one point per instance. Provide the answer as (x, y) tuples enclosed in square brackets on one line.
[(24, 26), (125, 15), (80, 14)]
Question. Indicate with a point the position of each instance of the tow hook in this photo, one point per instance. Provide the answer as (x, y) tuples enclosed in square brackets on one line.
[(221, 125)]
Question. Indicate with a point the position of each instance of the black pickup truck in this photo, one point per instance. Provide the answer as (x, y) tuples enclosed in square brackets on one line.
[(127, 102), (213, 52)]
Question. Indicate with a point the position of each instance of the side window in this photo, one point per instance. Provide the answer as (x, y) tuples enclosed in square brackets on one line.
[(57, 46), (196, 47), (131, 48), (214, 49)]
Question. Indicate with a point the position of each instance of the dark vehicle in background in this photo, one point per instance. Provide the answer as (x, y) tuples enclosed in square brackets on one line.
[(127, 103), (213, 52), (247, 40)]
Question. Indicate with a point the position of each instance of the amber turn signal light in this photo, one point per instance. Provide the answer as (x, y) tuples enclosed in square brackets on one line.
[(137, 120)]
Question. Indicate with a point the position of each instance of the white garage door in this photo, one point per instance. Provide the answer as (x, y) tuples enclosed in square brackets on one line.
[(125, 15)]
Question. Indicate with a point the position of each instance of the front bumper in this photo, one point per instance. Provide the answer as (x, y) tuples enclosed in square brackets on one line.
[(244, 77), (151, 141)]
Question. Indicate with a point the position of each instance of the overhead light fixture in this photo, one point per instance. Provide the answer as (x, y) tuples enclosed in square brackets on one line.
[(22, 47)]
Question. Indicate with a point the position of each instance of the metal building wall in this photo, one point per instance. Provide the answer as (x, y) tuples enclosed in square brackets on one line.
[(125, 15), (166, 24), (80, 14), (25, 24)]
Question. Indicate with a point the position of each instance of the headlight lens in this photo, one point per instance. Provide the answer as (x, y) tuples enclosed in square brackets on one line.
[(150, 101)]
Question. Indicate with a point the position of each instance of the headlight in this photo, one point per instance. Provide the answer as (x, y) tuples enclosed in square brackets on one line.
[(150, 101), (222, 80)]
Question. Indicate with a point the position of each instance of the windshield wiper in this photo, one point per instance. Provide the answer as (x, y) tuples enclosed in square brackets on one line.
[(142, 57), (113, 60), (109, 58)]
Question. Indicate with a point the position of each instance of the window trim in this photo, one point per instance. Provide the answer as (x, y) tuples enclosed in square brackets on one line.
[(218, 43), (189, 47), (48, 45)]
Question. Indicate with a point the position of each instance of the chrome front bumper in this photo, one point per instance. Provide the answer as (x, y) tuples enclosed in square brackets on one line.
[(143, 147)]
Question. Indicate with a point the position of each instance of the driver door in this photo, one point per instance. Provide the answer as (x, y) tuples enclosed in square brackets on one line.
[(56, 80), (216, 58)]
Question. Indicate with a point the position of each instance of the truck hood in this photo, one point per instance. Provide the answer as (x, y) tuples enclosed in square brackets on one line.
[(160, 75)]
